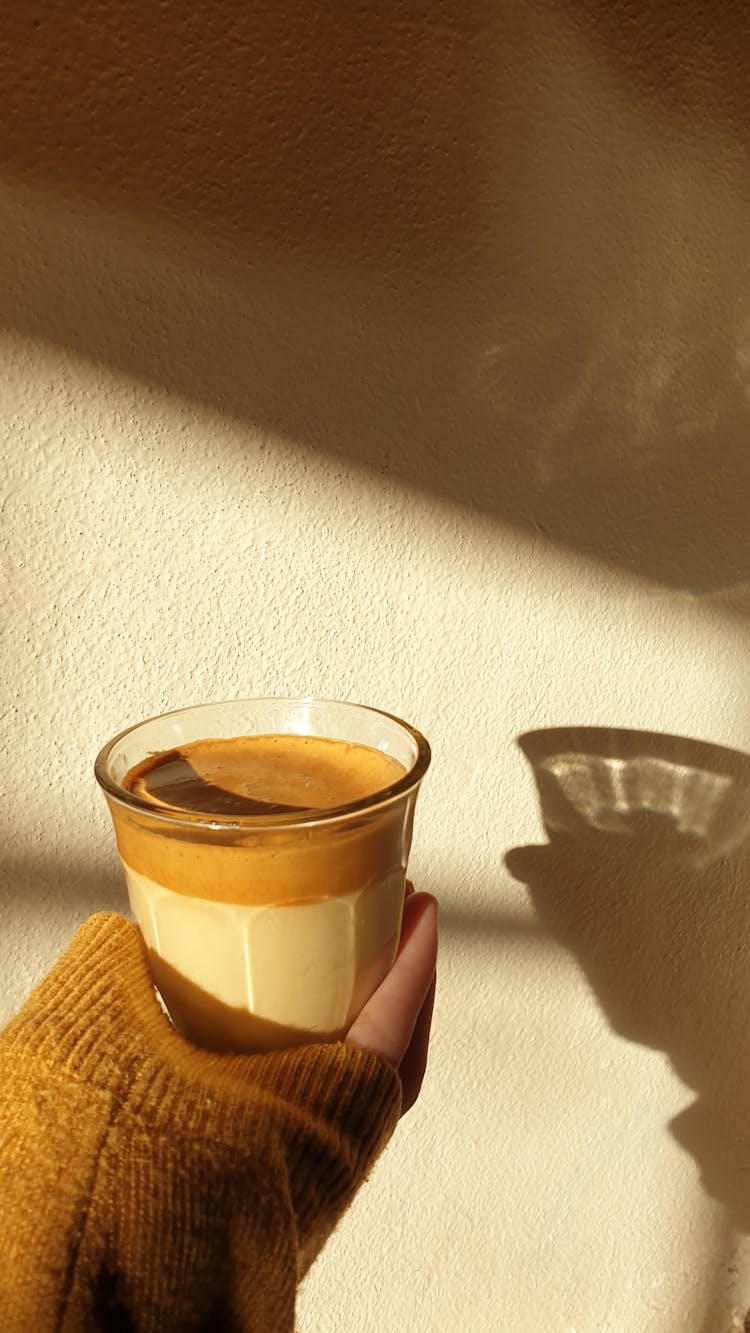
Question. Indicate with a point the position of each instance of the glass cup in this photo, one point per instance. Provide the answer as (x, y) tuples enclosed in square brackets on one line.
[(266, 931)]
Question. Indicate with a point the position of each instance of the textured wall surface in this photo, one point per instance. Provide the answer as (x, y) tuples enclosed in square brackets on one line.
[(401, 353)]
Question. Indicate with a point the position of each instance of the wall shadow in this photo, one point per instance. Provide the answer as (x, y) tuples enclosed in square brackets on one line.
[(322, 128), (498, 253), (45, 899), (681, 60), (645, 880), (31, 883)]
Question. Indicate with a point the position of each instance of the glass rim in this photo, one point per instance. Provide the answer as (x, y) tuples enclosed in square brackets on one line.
[(174, 816)]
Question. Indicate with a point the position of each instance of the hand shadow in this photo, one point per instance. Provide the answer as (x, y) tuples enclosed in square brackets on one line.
[(646, 879)]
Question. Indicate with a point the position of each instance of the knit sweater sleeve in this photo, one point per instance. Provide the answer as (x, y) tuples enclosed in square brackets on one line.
[(152, 1187)]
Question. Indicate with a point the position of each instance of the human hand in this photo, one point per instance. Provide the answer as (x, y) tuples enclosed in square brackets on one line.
[(395, 1022)]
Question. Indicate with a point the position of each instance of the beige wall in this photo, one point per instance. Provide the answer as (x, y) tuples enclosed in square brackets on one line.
[(402, 353)]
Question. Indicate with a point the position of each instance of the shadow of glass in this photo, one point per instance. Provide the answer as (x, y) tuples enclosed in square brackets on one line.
[(646, 881)]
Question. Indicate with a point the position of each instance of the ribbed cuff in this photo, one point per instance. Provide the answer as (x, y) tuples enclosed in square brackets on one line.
[(96, 1018), (95, 1014)]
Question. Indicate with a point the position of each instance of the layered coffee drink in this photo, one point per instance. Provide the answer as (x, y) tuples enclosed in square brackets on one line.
[(267, 875)]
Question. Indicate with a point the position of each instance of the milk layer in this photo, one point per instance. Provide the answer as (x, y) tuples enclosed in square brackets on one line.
[(304, 968)]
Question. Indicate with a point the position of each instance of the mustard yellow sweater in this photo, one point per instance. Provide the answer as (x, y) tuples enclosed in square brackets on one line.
[(148, 1186)]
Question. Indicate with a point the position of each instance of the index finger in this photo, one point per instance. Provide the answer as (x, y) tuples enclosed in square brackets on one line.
[(386, 1024)]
